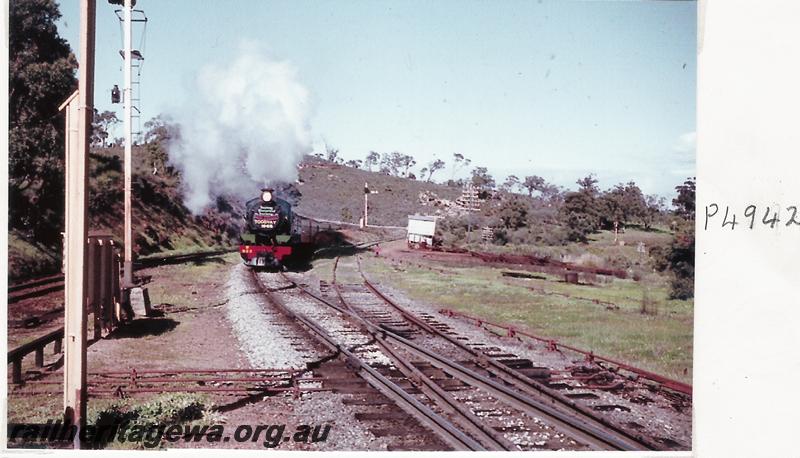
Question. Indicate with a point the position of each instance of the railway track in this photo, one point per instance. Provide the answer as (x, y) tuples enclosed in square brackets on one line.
[(572, 412), (362, 353), (122, 384), (39, 286), (464, 393)]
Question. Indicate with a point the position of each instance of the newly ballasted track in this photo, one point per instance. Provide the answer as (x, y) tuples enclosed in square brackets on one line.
[(426, 416), (594, 435)]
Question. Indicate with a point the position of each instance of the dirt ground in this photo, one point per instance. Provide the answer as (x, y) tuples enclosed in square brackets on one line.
[(34, 316)]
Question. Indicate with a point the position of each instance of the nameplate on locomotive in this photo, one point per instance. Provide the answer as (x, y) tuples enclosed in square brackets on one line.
[(266, 221)]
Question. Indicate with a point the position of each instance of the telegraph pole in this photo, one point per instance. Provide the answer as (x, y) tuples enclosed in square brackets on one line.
[(76, 281), (127, 119)]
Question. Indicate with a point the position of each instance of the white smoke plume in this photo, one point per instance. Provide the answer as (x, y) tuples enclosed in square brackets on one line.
[(247, 126)]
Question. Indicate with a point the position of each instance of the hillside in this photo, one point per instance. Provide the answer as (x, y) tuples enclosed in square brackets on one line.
[(336, 192), (161, 223), (160, 220)]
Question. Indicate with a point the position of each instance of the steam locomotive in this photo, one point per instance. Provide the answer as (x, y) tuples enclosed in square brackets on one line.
[(268, 238)]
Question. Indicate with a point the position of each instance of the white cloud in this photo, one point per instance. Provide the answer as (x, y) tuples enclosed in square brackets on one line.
[(687, 143)]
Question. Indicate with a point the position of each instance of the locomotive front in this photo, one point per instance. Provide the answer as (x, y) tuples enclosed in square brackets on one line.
[(267, 235)]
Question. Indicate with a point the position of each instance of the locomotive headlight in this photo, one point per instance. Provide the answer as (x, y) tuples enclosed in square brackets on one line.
[(266, 196)]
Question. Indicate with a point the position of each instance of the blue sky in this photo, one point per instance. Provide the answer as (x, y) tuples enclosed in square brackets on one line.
[(553, 88)]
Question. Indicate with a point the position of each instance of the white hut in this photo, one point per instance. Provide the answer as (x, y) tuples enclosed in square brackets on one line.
[(421, 229)]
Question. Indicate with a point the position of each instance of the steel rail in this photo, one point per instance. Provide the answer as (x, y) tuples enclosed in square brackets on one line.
[(152, 260), (446, 430), (125, 391), (516, 378), (146, 381), (667, 382), (492, 439), (34, 282), (597, 437)]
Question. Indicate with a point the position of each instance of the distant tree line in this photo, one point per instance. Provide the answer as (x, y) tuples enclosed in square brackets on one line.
[(589, 210)]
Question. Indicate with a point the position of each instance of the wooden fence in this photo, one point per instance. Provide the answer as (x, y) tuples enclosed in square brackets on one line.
[(103, 304)]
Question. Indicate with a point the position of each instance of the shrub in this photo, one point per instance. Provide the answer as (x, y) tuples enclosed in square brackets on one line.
[(681, 288), (681, 261), (165, 409), (649, 305), (659, 258)]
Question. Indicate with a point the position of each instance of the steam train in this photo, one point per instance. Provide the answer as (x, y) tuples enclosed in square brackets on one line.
[(271, 237)]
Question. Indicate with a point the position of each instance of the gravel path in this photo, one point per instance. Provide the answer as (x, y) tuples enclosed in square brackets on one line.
[(267, 342)]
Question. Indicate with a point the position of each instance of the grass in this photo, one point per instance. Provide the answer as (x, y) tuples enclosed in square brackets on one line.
[(600, 251), (659, 342), (177, 284), (26, 258)]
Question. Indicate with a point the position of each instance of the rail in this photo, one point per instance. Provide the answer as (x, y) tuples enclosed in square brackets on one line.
[(597, 436), (407, 402), (553, 344)]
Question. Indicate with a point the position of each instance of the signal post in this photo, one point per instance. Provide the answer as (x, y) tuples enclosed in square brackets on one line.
[(76, 227)]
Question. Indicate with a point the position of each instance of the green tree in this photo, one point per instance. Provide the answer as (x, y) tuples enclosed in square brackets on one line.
[(482, 179), (371, 159), (588, 185), (653, 211), (582, 210), (552, 194), (684, 202), (681, 252), (333, 155), (513, 213), (580, 214), (101, 124), (623, 205), (161, 129), (41, 76), (406, 162), (511, 183), (396, 163), (432, 168), (533, 183), (459, 162)]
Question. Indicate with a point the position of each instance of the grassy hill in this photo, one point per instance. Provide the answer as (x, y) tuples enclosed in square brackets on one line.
[(336, 192)]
